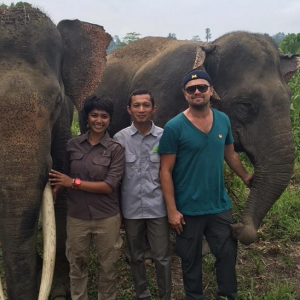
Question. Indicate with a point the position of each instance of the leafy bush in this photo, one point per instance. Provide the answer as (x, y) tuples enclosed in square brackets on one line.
[(290, 44), (295, 111)]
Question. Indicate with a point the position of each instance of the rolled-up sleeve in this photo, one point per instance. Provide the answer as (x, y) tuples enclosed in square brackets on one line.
[(116, 168)]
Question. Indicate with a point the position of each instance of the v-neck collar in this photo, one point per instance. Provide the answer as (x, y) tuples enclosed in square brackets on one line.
[(191, 124)]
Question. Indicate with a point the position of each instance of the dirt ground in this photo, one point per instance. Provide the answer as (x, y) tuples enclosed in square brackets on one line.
[(260, 267)]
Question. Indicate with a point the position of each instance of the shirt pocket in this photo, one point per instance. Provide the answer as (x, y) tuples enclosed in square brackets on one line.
[(76, 159), (154, 165), (131, 168), (100, 167)]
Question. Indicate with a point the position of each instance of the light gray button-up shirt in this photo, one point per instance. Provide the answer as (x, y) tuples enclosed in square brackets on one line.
[(141, 190)]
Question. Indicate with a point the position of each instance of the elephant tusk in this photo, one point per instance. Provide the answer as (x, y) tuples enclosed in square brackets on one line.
[(49, 240), (1, 291)]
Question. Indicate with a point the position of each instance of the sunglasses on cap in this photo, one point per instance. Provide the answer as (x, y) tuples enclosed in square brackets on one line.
[(202, 88)]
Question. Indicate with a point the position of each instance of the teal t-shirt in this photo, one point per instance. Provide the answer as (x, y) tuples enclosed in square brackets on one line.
[(198, 172)]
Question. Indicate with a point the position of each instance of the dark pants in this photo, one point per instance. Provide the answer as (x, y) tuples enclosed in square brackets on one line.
[(216, 230), (157, 231)]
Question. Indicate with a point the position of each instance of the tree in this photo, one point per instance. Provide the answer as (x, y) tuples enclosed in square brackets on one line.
[(207, 34), (172, 36), (130, 38), (114, 44), (18, 4), (117, 39), (196, 38), (290, 44), (278, 37)]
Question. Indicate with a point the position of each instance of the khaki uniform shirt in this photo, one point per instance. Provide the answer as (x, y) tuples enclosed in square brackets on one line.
[(102, 162)]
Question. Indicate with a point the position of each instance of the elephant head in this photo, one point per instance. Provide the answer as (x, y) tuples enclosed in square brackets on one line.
[(248, 76), (41, 67)]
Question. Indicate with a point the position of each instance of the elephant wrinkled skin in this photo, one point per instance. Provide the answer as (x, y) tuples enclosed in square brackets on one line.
[(41, 67), (248, 76)]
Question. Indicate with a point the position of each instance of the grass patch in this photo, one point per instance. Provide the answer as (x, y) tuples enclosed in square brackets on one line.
[(275, 290), (283, 222)]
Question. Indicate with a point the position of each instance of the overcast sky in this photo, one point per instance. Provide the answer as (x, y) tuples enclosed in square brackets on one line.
[(185, 18)]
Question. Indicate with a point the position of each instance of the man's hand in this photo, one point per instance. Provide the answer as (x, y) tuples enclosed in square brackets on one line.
[(176, 221), (248, 180)]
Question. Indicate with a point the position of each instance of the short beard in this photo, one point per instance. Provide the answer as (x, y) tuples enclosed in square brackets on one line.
[(200, 106)]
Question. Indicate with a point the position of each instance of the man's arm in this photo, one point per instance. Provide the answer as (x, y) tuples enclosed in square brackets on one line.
[(235, 164), (167, 162)]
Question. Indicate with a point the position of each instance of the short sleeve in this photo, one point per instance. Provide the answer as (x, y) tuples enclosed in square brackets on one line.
[(229, 138), (169, 141)]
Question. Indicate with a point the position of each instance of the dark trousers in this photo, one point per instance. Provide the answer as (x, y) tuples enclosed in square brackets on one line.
[(216, 230), (157, 230)]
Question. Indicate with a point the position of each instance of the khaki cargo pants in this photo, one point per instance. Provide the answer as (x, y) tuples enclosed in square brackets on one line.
[(107, 241)]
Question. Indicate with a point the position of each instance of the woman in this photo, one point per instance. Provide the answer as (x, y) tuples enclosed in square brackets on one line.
[(94, 168)]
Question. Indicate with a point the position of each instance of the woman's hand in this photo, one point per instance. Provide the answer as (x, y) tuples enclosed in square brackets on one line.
[(61, 179)]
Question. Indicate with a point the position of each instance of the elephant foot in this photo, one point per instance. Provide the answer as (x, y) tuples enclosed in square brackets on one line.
[(246, 234)]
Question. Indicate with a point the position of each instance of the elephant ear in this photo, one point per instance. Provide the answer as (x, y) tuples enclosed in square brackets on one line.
[(289, 64), (84, 58), (200, 58), (198, 64)]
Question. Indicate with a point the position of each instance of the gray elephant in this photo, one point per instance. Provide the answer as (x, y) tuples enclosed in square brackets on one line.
[(248, 75), (41, 66)]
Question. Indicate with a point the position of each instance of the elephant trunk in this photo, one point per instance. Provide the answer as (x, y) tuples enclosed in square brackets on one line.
[(49, 233), (271, 177)]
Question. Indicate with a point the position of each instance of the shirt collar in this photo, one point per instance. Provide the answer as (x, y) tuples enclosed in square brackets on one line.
[(153, 131), (104, 141)]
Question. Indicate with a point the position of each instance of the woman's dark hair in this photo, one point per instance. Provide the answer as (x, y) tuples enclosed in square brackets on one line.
[(95, 102), (140, 92)]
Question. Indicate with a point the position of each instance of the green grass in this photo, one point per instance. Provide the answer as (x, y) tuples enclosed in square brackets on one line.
[(274, 290), (295, 111), (283, 222)]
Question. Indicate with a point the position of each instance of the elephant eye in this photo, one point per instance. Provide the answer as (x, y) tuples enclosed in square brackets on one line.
[(247, 105), (245, 110)]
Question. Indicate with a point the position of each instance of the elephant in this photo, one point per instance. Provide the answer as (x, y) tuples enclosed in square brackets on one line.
[(44, 69), (249, 77)]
